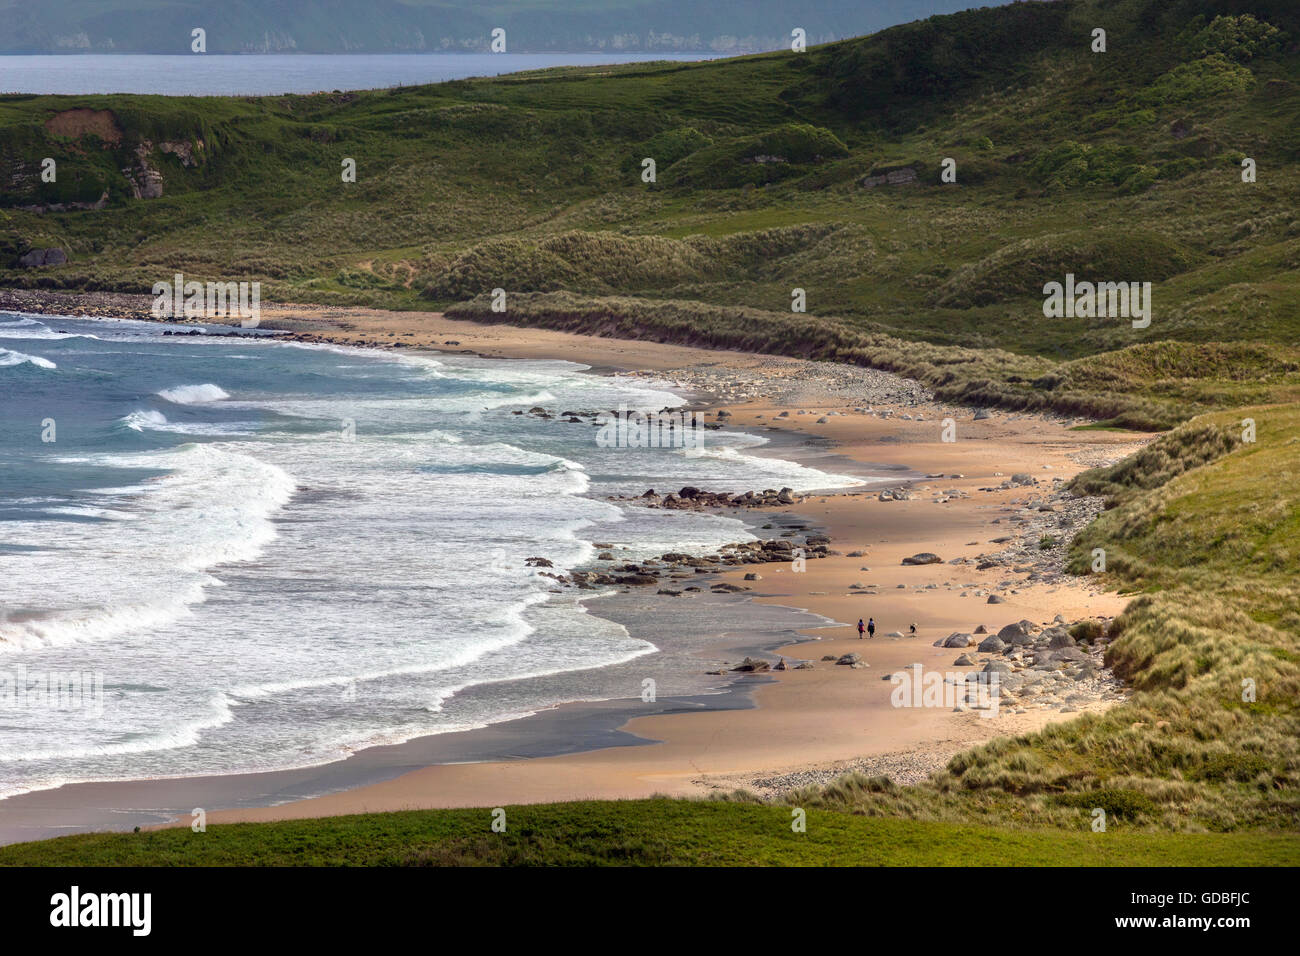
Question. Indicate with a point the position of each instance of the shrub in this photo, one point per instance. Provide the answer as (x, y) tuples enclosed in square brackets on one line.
[(1238, 38), (1207, 78), (1119, 804)]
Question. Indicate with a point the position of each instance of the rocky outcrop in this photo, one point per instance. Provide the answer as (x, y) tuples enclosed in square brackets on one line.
[(39, 258), (145, 181), (66, 206), (892, 177), (691, 498)]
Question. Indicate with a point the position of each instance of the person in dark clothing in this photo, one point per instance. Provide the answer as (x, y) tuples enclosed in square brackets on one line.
[(871, 627), (860, 628)]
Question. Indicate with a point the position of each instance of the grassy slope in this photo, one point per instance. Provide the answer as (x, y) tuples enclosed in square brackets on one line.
[(1121, 166), (643, 832)]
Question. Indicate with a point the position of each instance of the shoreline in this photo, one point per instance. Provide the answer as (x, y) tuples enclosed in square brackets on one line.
[(795, 722)]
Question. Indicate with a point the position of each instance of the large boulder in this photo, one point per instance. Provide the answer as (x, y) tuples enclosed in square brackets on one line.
[(1057, 637), (992, 645), (39, 258), (924, 557), (958, 640), (1012, 631), (640, 580)]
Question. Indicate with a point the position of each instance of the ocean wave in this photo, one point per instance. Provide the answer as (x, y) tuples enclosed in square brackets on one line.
[(30, 328), (60, 628), (194, 394), (184, 734), (155, 421), (213, 507), (139, 421), (799, 477), (9, 359)]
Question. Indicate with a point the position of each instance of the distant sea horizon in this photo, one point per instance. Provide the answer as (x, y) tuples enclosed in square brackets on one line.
[(273, 74)]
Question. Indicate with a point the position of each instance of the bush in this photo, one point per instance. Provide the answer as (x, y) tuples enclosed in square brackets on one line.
[(1119, 804), (1238, 38), (1204, 79), (667, 148), (757, 160)]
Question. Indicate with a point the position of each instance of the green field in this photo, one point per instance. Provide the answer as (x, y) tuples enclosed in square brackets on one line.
[(640, 833)]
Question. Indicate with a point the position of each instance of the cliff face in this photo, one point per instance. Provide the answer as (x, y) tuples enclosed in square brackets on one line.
[(95, 160)]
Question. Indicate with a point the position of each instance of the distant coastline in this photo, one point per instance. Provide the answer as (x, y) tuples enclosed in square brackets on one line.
[(81, 73)]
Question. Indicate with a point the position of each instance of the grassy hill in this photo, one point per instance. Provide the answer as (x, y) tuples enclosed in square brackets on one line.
[(772, 173)]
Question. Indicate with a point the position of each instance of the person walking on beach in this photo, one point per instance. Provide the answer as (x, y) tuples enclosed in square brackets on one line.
[(860, 628), (871, 627)]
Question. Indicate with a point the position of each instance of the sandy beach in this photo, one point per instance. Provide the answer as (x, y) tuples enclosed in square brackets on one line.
[(989, 509)]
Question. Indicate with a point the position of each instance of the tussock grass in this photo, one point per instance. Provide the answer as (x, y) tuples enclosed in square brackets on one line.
[(1142, 387), (1021, 268)]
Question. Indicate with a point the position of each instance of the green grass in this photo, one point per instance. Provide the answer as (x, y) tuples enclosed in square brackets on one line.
[(645, 832), (1122, 167)]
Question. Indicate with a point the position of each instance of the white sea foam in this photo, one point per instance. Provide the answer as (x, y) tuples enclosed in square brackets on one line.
[(9, 358), (212, 507), (283, 598), (194, 394), (150, 420)]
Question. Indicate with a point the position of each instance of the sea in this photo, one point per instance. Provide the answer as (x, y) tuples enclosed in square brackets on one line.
[(225, 554), (270, 74)]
